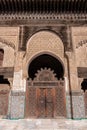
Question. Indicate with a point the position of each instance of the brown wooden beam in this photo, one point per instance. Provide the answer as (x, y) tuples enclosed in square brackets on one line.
[(85, 5), (43, 6), (7, 72)]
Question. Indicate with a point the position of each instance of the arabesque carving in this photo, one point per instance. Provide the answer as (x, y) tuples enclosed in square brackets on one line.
[(7, 43), (45, 75)]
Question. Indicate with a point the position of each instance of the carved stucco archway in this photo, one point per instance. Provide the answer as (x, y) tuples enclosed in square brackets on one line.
[(43, 42)]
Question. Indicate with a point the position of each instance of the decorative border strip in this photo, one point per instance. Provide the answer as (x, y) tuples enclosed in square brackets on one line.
[(43, 16), (7, 72), (45, 83)]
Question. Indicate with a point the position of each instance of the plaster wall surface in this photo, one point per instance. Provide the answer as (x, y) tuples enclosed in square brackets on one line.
[(79, 39), (10, 35), (9, 57)]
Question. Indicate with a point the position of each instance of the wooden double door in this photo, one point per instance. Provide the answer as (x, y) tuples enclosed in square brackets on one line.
[(45, 102)]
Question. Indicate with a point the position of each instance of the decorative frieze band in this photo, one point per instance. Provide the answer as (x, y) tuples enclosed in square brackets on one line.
[(43, 16), (45, 84), (7, 72)]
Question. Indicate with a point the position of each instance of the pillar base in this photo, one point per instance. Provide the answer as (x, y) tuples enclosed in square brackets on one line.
[(17, 104), (78, 105), (68, 106)]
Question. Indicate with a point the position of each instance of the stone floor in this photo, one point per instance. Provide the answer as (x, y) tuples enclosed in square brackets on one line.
[(43, 124)]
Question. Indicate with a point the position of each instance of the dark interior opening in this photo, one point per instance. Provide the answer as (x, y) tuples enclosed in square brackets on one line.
[(45, 61), (1, 56), (84, 85), (3, 80), (2, 51)]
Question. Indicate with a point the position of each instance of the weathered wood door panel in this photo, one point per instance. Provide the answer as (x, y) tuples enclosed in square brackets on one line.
[(60, 102), (4, 99), (4, 103), (30, 102), (45, 102)]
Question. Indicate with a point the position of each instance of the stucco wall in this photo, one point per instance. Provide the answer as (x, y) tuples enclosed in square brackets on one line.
[(8, 59), (79, 38), (10, 35), (9, 38)]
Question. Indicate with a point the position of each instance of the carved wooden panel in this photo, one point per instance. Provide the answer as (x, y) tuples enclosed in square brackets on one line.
[(42, 7), (85, 99), (45, 102), (45, 96), (60, 105), (30, 102), (4, 96), (50, 97), (41, 106), (7, 72)]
